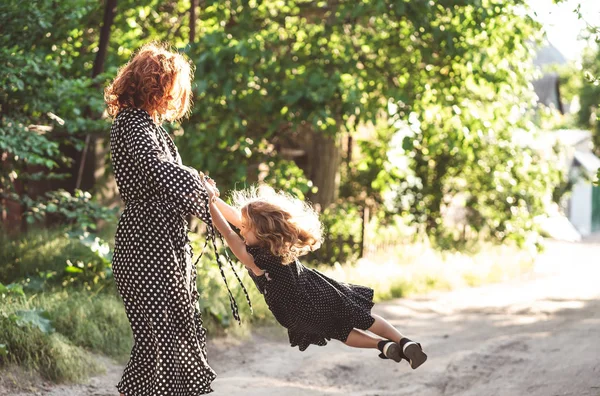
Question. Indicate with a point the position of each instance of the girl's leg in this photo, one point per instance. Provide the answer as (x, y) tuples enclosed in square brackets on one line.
[(384, 329), (360, 339), (407, 349)]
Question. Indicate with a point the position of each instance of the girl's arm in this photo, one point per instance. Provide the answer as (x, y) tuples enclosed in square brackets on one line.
[(231, 214), (235, 243)]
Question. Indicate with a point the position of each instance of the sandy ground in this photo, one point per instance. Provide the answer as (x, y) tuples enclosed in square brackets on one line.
[(537, 337)]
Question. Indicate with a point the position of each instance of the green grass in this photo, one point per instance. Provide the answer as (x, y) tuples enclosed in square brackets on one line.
[(51, 355), (93, 321), (416, 268), (83, 322), (42, 250)]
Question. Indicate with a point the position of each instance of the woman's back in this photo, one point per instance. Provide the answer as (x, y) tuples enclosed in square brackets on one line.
[(148, 168)]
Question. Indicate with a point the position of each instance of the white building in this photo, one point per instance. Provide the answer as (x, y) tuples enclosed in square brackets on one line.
[(584, 203)]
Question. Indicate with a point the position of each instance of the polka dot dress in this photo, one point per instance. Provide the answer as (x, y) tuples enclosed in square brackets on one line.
[(152, 263), (313, 307)]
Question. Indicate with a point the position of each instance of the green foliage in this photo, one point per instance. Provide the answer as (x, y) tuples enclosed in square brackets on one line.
[(45, 72), (469, 104), (589, 114), (372, 174), (46, 258), (342, 223), (34, 318), (454, 74), (77, 210), (451, 76), (589, 94), (11, 290), (286, 175), (50, 354), (94, 321)]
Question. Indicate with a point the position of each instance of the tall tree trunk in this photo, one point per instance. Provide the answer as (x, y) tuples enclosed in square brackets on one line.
[(109, 16), (193, 22), (87, 166)]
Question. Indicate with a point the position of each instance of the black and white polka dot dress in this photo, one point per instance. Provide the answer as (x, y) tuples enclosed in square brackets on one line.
[(313, 307), (152, 263)]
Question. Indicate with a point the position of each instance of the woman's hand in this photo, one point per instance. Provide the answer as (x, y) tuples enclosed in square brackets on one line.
[(211, 187)]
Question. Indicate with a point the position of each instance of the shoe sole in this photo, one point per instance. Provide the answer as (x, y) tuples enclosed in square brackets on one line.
[(415, 355), (394, 352)]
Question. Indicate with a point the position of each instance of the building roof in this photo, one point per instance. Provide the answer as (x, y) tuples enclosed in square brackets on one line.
[(587, 160), (549, 55), (572, 137)]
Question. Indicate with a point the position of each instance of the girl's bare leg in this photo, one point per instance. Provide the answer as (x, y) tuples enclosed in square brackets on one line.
[(384, 329), (410, 350), (360, 339)]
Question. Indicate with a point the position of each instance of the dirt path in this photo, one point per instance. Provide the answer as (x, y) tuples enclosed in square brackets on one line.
[(534, 337)]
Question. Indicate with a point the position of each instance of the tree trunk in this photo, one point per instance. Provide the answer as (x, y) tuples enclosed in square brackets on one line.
[(320, 162), (324, 161), (109, 16), (87, 164), (193, 22)]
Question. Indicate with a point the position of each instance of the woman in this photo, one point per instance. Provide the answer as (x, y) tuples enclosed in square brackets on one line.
[(152, 263)]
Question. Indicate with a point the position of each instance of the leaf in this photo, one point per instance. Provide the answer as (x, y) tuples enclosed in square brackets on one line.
[(3, 350), (407, 143), (35, 318), (73, 270), (16, 289)]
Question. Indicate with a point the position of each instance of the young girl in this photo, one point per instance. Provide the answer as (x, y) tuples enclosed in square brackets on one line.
[(277, 229)]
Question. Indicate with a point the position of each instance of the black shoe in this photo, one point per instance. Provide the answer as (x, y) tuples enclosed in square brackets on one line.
[(393, 351), (412, 352)]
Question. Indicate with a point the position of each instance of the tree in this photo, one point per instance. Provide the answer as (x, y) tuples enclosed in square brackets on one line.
[(279, 84), (589, 114), (44, 91), (109, 16), (274, 78)]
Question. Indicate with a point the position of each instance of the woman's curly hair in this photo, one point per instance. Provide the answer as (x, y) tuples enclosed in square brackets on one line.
[(285, 225), (157, 80)]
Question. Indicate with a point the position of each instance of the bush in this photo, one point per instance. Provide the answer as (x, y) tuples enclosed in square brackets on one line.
[(94, 321), (37, 347), (47, 257), (342, 224)]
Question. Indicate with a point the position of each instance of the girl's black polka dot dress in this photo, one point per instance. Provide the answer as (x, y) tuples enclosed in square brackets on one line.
[(152, 263), (313, 307)]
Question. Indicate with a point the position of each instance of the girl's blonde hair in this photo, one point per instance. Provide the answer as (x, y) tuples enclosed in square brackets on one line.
[(287, 226), (157, 80)]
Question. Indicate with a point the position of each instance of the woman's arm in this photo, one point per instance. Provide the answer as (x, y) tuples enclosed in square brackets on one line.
[(235, 243), (177, 181)]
